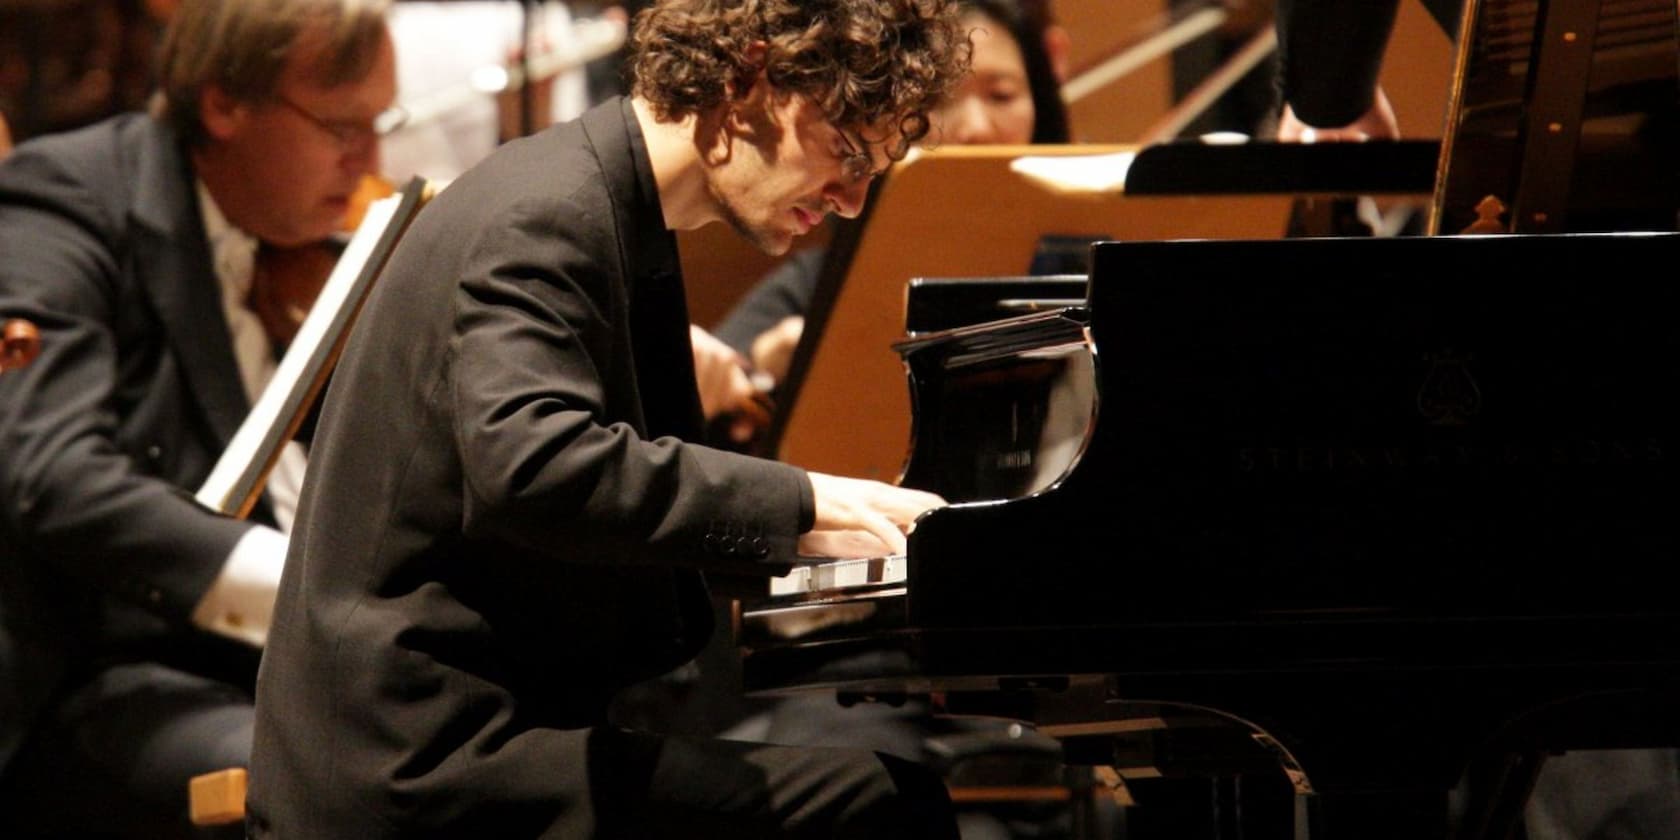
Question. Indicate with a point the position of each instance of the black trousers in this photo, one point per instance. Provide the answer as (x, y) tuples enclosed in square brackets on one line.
[(113, 758), (1607, 795), (650, 786)]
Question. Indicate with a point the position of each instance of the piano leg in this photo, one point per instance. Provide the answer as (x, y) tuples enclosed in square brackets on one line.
[(1377, 815), (1496, 790), (1240, 806)]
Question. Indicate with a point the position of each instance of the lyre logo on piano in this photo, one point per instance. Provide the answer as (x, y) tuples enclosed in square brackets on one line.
[(1449, 396)]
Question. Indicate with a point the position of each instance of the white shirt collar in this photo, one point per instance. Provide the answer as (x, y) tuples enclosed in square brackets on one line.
[(232, 251)]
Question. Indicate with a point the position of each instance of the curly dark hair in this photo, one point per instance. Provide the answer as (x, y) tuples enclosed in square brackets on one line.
[(863, 62)]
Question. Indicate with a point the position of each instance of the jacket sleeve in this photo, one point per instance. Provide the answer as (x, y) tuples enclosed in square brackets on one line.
[(538, 381), (70, 494)]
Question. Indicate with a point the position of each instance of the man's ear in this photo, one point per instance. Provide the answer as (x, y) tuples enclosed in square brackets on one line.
[(220, 113), (750, 82), (1058, 45)]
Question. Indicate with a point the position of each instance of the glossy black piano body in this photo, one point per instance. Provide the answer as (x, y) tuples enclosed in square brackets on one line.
[(1383, 505)]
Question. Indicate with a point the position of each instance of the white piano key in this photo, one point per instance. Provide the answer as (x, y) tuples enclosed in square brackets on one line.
[(840, 574)]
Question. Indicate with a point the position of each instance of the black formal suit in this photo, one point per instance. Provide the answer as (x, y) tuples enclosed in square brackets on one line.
[(103, 552), (500, 528)]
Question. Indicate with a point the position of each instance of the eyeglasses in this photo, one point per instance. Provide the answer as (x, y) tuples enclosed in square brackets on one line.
[(348, 133), (856, 162)]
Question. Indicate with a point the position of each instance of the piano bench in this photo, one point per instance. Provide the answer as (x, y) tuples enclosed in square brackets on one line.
[(1017, 777), (218, 798), (995, 794)]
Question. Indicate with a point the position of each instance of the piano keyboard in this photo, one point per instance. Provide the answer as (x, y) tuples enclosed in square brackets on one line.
[(839, 574)]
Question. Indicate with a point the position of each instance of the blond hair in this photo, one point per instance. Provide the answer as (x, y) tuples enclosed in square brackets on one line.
[(242, 46)]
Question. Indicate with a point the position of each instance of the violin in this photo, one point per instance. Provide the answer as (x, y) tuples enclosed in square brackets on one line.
[(287, 280), (20, 342)]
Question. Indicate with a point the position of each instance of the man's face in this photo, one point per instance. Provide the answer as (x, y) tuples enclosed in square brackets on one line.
[(787, 169), (300, 155)]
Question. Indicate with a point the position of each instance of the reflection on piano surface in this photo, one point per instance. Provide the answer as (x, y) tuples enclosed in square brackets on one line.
[(1361, 509)]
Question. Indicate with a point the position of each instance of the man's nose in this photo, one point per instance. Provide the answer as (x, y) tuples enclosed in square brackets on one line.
[(848, 197), (362, 156)]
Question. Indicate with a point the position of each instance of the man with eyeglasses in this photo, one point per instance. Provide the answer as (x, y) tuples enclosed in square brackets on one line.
[(507, 520), (131, 618)]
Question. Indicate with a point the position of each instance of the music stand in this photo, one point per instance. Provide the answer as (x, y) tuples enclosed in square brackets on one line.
[(963, 211)]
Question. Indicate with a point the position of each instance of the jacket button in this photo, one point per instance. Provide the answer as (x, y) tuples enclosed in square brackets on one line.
[(760, 547)]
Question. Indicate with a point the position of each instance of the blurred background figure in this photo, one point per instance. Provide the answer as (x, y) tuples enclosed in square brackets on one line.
[(1330, 56), (460, 68), (67, 63)]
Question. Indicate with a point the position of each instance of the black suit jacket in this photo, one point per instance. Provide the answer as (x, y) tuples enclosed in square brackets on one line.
[(103, 552), (501, 527)]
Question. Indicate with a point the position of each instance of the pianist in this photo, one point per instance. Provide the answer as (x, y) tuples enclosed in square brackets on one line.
[(503, 523)]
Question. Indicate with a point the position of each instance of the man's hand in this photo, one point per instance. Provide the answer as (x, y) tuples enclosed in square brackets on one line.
[(860, 518), (772, 350), (1378, 123), (721, 374)]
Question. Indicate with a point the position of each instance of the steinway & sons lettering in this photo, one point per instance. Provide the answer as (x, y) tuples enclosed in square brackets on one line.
[(1337, 457)]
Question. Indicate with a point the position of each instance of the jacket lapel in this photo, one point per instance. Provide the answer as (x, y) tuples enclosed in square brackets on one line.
[(172, 262), (664, 359)]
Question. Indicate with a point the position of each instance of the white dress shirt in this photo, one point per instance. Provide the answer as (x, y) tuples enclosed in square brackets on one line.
[(240, 603)]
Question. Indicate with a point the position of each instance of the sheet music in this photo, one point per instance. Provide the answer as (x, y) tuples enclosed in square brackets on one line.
[(1077, 174), (222, 490)]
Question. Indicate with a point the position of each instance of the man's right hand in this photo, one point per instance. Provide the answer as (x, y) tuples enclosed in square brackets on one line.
[(861, 518), (772, 350), (1377, 123)]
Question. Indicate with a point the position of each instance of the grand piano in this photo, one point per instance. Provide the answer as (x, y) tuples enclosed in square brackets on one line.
[(1374, 513), (1387, 518)]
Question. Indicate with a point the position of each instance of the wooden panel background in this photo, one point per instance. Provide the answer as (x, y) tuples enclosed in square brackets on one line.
[(961, 212)]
